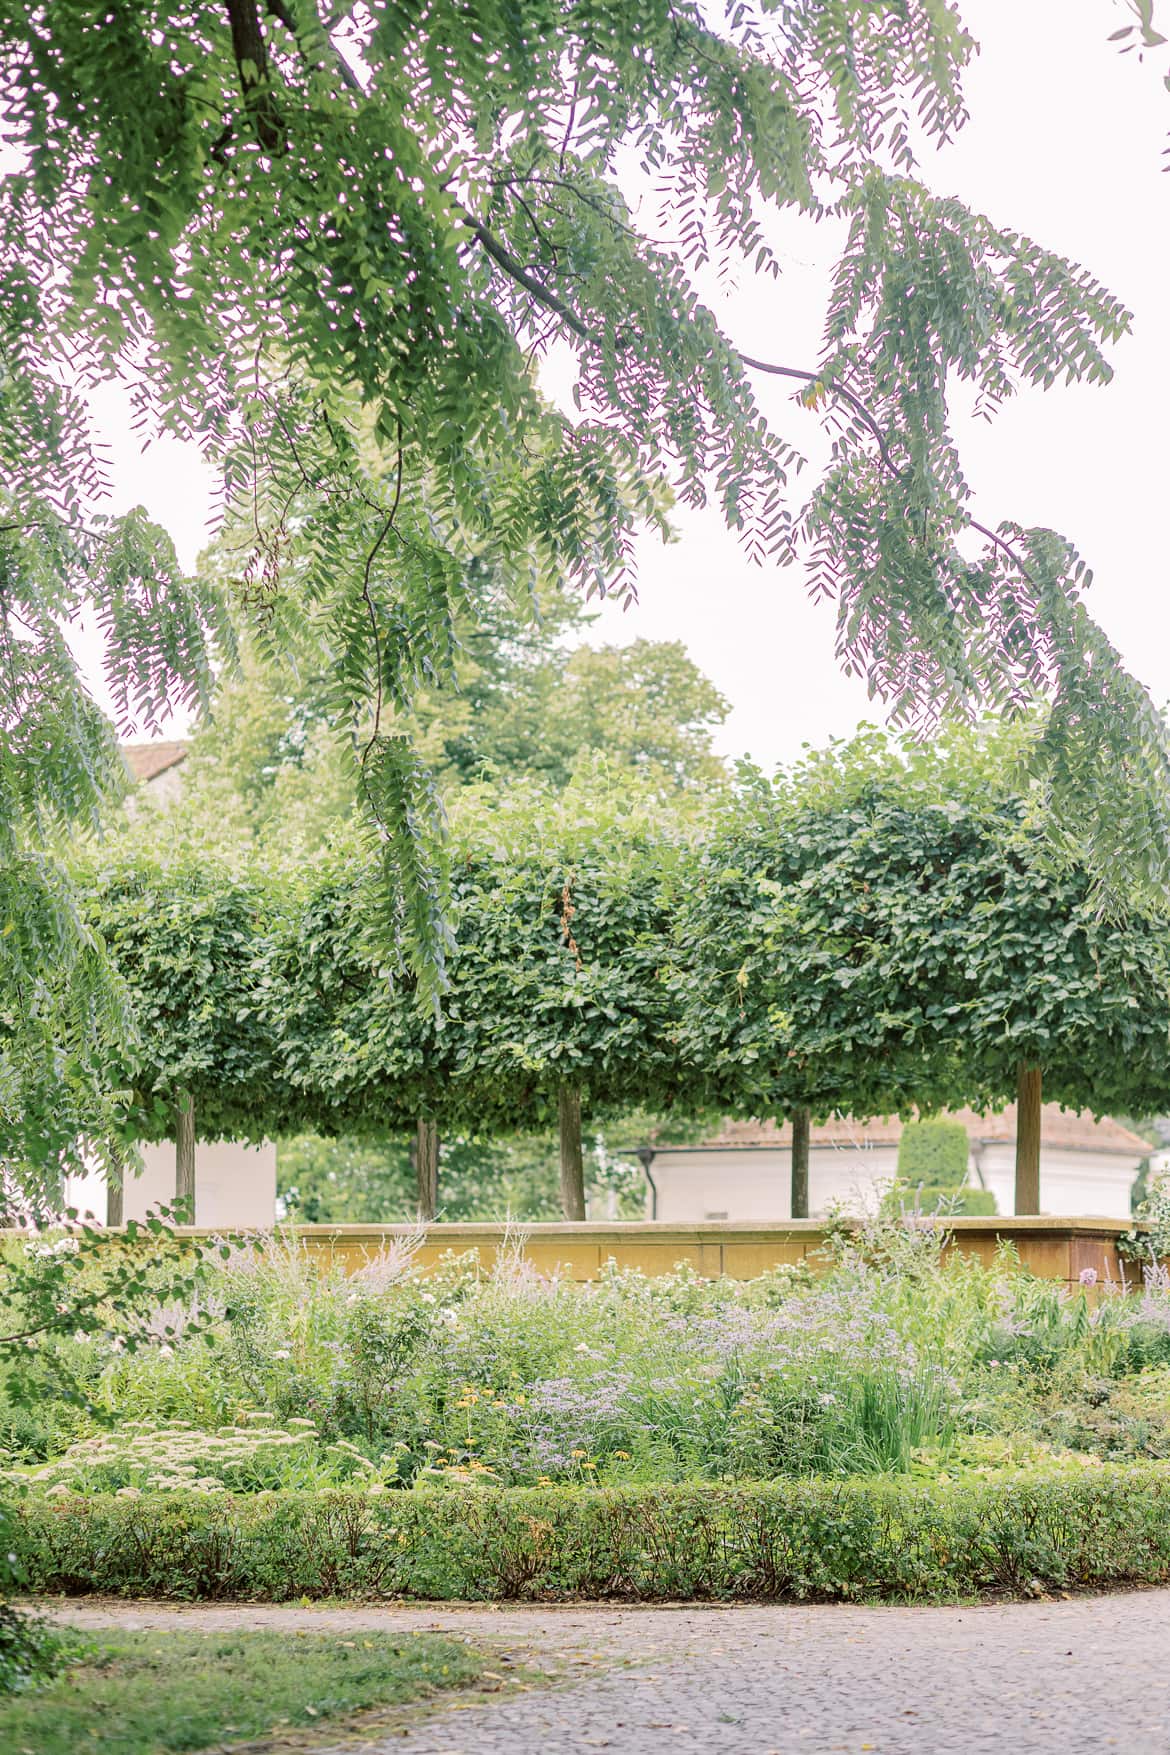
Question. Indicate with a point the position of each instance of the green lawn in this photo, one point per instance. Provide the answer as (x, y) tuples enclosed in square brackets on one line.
[(150, 1693)]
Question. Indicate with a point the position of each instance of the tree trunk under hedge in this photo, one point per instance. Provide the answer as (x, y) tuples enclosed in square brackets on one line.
[(115, 1197), (572, 1157), (426, 1168), (801, 1122), (185, 1157), (1028, 1101)]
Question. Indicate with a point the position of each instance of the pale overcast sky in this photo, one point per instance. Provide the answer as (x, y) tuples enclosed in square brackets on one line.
[(1065, 143)]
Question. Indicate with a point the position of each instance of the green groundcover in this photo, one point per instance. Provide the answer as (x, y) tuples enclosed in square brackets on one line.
[(783, 1540)]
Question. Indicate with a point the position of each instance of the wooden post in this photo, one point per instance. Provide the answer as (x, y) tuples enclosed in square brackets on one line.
[(185, 1158), (115, 1196), (572, 1157), (801, 1119), (426, 1168), (1028, 1099)]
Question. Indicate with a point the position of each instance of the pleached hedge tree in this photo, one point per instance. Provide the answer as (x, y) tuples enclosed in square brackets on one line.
[(188, 941), (891, 929), (555, 1007)]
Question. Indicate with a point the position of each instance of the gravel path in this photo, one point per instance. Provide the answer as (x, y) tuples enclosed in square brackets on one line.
[(1085, 1673)]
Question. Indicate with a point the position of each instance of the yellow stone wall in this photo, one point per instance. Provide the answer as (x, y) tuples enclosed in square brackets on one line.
[(1057, 1249), (1054, 1249)]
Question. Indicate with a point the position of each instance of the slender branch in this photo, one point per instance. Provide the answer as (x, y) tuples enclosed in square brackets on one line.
[(367, 596), (864, 413), (515, 269), (572, 122), (855, 402)]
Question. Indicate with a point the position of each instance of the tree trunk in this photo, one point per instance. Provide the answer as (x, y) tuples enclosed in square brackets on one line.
[(426, 1168), (115, 1197), (1028, 1098), (185, 1158), (801, 1119), (572, 1158)]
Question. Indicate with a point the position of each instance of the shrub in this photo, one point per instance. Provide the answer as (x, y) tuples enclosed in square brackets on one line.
[(933, 1159), (788, 1540)]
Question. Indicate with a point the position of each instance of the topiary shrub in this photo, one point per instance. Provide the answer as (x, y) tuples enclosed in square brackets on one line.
[(933, 1158)]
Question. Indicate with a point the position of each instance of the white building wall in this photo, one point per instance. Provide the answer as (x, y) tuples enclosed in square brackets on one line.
[(748, 1185), (1073, 1184), (235, 1185)]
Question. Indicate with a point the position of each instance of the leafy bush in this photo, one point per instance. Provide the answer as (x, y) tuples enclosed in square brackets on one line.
[(934, 1151), (785, 1540), (932, 1162)]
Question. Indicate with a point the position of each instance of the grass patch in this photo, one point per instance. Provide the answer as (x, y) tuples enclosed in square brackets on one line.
[(154, 1693)]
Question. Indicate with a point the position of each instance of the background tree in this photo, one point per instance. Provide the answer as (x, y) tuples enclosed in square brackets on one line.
[(345, 1180), (933, 1161), (330, 253), (525, 702), (889, 930), (554, 998), (187, 941)]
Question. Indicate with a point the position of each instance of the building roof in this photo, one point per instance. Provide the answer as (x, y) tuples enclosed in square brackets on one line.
[(1073, 1129), (146, 761)]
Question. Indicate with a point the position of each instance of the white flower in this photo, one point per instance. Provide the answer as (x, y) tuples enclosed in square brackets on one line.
[(281, 1353)]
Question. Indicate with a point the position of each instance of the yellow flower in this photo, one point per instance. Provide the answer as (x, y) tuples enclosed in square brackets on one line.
[(622, 1455), (576, 1455)]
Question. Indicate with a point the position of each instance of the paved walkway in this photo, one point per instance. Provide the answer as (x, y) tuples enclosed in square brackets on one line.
[(1082, 1674)]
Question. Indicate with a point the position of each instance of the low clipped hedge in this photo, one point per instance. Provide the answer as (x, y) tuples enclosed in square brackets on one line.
[(783, 1540)]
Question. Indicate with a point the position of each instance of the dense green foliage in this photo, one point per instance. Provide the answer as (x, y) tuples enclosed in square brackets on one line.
[(887, 929), (331, 255), (169, 1692), (891, 926), (780, 1541), (932, 1166)]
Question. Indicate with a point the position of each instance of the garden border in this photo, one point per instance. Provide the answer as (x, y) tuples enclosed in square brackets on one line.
[(791, 1540)]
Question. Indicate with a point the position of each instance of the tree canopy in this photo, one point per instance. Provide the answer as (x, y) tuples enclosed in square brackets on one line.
[(893, 929), (333, 252), (886, 930), (529, 704)]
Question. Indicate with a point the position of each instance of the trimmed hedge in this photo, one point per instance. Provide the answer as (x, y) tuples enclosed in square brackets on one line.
[(783, 1540)]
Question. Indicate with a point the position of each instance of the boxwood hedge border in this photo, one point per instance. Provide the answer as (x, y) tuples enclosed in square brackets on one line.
[(780, 1541)]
